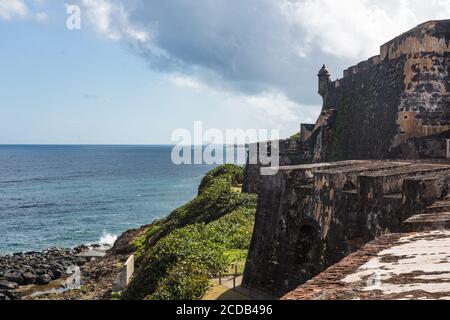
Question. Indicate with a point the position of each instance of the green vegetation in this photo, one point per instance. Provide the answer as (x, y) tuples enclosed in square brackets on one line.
[(115, 296), (139, 243), (178, 255), (236, 257), (216, 197), (295, 136), (185, 281), (233, 174)]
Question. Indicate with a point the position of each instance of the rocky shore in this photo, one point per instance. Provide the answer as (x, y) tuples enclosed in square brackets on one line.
[(40, 269)]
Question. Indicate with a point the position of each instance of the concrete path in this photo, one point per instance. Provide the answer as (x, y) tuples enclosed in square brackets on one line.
[(227, 291)]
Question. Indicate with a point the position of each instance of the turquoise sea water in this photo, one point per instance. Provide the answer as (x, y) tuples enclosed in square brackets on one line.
[(71, 195)]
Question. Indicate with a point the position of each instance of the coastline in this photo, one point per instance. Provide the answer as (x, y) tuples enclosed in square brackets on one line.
[(85, 272), (31, 275), (200, 240), (66, 196)]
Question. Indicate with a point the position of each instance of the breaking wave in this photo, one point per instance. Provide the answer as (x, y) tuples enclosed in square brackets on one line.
[(107, 238)]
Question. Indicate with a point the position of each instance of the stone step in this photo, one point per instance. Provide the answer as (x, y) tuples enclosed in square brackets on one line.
[(375, 185), (366, 167), (428, 222), (353, 191), (441, 203), (439, 207), (396, 196), (393, 199), (420, 192), (304, 174), (319, 166), (346, 178)]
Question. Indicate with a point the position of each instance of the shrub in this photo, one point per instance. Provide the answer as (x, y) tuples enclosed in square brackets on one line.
[(214, 202), (295, 137), (187, 280), (209, 233), (232, 173)]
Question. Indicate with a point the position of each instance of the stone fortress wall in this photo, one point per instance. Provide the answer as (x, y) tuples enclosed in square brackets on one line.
[(309, 217), (382, 103), (335, 191)]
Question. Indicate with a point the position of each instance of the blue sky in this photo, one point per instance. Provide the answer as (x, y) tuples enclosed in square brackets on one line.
[(137, 70)]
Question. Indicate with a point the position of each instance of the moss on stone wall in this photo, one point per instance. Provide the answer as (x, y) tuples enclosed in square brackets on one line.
[(335, 148)]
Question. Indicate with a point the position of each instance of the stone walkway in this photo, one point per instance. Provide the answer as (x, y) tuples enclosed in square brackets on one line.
[(227, 291)]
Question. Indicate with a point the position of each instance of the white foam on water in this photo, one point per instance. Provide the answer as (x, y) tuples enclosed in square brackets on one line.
[(107, 238)]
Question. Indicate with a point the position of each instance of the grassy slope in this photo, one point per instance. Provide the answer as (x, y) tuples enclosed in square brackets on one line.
[(179, 254)]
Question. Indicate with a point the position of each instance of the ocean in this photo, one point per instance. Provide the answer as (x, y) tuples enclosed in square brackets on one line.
[(64, 196)]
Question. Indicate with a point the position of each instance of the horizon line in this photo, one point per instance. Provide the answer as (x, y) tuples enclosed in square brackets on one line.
[(110, 144)]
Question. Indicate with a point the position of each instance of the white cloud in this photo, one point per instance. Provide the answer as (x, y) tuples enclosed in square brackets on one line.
[(230, 46), (112, 20), (273, 104), (356, 28), (183, 81), (11, 9), (19, 9), (273, 109), (346, 29), (261, 55)]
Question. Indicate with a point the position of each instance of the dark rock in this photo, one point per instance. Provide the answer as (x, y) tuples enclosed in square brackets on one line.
[(29, 278), (81, 261), (57, 273), (80, 249), (124, 243), (11, 294), (3, 297), (13, 276), (40, 271), (45, 266), (37, 267), (44, 279), (50, 273), (25, 269), (6, 285), (56, 265)]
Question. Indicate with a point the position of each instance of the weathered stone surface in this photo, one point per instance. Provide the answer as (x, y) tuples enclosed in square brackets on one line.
[(396, 266), (415, 265), (384, 102), (392, 106), (311, 216), (124, 277), (435, 217)]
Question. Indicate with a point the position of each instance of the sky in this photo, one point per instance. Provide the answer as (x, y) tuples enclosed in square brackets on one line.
[(137, 70)]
